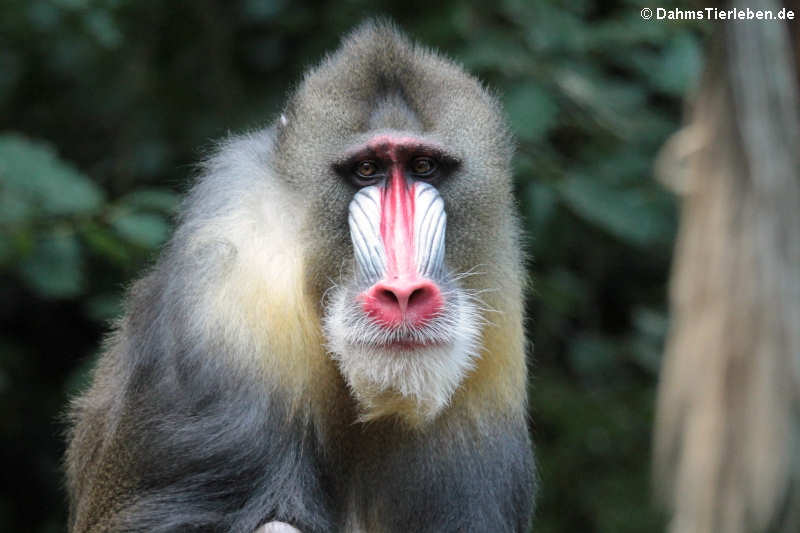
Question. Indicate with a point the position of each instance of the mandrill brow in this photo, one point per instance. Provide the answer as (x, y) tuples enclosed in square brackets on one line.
[(332, 339)]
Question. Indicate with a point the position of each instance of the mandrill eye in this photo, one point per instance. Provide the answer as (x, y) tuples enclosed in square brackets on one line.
[(366, 169), (423, 166)]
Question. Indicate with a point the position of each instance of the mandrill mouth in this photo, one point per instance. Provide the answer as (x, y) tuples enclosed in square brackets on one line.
[(386, 327), (409, 346)]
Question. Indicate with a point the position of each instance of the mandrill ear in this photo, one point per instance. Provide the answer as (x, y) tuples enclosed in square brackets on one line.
[(277, 527)]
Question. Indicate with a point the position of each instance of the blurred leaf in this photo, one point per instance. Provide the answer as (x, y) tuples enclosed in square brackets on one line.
[(105, 243), (532, 111), (495, 51), (593, 356), (680, 65), (102, 27), (104, 307), (541, 203), (72, 5), (14, 206), (31, 175), (626, 213), (150, 156), (143, 229), (647, 345), (612, 101), (650, 128), (260, 10), (625, 31), (651, 323), (622, 168), (17, 242), (562, 291), (563, 32), (54, 268), (43, 15), (162, 200)]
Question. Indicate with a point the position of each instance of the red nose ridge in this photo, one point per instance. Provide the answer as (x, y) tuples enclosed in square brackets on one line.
[(392, 302)]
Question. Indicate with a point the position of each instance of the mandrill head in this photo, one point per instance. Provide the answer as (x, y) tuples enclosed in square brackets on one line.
[(403, 160)]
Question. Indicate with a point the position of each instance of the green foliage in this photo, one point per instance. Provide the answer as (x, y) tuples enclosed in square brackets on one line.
[(532, 111), (35, 180), (54, 268), (625, 212), (143, 229), (55, 219), (105, 105)]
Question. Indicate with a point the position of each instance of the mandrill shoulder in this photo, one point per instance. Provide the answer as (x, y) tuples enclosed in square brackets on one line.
[(171, 417), (205, 380)]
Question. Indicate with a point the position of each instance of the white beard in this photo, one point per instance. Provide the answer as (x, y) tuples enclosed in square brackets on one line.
[(426, 376)]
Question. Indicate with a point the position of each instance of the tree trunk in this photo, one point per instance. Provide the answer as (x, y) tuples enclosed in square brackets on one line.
[(727, 438)]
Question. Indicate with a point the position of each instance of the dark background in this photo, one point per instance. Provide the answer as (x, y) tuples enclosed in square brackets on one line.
[(105, 106)]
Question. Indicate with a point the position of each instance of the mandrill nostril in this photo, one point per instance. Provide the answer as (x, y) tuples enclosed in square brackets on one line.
[(388, 296), (418, 295)]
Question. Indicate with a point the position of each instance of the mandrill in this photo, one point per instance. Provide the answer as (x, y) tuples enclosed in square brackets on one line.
[(332, 340)]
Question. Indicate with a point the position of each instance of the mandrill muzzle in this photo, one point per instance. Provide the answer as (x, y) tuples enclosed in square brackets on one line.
[(398, 233)]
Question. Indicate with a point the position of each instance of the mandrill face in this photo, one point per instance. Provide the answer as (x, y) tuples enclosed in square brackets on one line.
[(401, 167), (401, 328)]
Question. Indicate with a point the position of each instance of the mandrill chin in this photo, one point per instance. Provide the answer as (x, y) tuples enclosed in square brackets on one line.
[(332, 339)]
